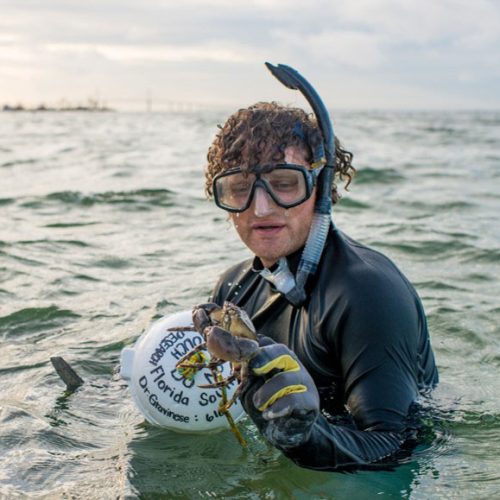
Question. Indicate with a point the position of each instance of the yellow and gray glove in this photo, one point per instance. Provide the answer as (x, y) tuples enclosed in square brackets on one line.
[(280, 396)]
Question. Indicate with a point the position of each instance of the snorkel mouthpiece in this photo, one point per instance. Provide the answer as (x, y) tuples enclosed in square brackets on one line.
[(311, 255), (281, 278)]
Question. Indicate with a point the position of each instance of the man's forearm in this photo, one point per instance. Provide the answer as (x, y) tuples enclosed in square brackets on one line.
[(333, 447)]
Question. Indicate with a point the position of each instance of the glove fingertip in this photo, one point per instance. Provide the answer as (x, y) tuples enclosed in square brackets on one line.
[(264, 341)]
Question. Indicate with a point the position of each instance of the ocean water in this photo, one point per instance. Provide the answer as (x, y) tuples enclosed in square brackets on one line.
[(104, 228)]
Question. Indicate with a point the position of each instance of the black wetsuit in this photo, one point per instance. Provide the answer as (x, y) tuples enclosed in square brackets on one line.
[(361, 334)]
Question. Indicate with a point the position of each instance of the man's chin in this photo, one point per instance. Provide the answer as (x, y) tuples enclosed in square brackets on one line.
[(269, 253)]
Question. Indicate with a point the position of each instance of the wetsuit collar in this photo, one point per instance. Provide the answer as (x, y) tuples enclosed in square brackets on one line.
[(293, 262), (281, 274)]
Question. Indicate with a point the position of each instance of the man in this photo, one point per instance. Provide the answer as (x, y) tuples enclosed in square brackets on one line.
[(345, 350)]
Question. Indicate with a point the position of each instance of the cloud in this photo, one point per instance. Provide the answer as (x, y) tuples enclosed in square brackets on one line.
[(348, 48), (422, 48), (213, 52), (421, 22)]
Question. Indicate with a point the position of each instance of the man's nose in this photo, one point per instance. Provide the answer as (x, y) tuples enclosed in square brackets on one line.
[(263, 204)]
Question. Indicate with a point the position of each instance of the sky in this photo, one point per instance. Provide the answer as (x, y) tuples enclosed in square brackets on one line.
[(359, 54)]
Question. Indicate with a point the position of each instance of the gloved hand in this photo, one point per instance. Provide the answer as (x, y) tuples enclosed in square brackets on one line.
[(280, 395)]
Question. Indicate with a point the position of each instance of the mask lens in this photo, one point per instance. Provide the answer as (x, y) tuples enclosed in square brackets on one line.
[(288, 185), (233, 191)]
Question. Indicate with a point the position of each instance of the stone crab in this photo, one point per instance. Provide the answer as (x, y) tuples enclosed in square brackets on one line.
[(229, 336)]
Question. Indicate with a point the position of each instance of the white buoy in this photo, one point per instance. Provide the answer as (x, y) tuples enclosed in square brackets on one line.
[(164, 396)]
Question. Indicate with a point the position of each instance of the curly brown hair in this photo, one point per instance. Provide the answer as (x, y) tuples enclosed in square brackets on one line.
[(261, 133)]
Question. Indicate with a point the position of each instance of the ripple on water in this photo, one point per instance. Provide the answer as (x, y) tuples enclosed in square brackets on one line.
[(426, 248), (210, 464), (438, 285), (64, 225), (35, 320), (441, 207), (492, 358), (471, 433), (351, 204), (139, 199), (161, 197), (13, 163), (385, 176), (53, 243), (484, 255), (16, 367), (112, 263), (6, 201), (479, 277)]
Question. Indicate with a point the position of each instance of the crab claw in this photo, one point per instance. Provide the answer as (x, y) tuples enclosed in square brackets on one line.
[(202, 315), (223, 345)]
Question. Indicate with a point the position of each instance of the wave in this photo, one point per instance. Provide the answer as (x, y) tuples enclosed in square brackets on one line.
[(35, 319), (77, 243), (63, 225), (13, 163), (437, 207), (438, 285), (352, 204), (483, 255), (370, 175), (426, 248), (143, 197)]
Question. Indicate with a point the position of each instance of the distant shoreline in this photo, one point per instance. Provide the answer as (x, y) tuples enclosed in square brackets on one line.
[(42, 108)]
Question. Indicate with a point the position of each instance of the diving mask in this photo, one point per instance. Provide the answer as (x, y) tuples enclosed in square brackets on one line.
[(287, 184)]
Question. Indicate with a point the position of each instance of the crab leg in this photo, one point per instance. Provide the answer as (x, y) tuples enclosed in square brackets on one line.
[(185, 358), (199, 366), (224, 408), (229, 336), (221, 382)]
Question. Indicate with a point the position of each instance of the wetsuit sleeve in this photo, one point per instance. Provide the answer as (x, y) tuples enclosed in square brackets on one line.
[(378, 339)]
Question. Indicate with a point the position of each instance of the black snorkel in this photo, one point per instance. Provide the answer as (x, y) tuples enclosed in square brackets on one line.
[(294, 288)]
